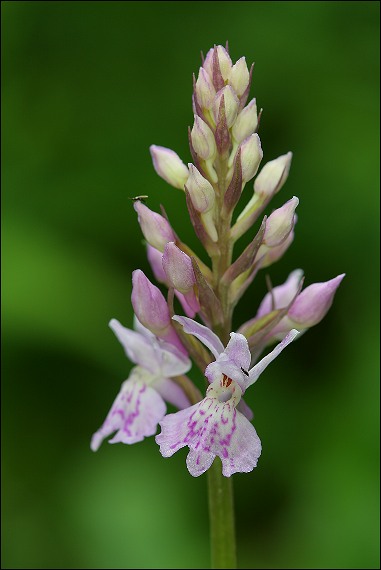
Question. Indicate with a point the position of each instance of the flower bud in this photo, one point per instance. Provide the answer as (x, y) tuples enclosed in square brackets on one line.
[(179, 270), (231, 105), (272, 254), (280, 223), (246, 122), (314, 302), (155, 228), (200, 190), (223, 59), (239, 76), (251, 156), (155, 259), (203, 139), (282, 295), (272, 176), (205, 90), (169, 166), (149, 304)]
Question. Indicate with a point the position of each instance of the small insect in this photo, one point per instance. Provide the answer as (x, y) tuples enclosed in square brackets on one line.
[(245, 371), (139, 198)]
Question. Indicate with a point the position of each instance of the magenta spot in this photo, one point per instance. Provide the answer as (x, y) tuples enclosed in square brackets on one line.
[(225, 452)]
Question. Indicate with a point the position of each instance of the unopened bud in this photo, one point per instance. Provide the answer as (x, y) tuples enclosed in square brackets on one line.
[(272, 254), (155, 228), (231, 105), (314, 302), (246, 122), (251, 156), (282, 295), (272, 176), (223, 59), (169, 166), (200, 190), (149, 304), (205, 90), (239, 76), (155, 258), (179, 270), (203, 139), (280, 223)]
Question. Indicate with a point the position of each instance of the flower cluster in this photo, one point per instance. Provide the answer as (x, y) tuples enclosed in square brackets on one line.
[(226, 153)]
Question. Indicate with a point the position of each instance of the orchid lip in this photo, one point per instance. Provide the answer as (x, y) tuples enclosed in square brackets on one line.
[(225, 396)]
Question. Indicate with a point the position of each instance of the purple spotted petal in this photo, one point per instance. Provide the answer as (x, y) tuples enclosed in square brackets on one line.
[(205, 335), (245, 448), (211, 428), (134, 415), (172, 393), (255, 372)]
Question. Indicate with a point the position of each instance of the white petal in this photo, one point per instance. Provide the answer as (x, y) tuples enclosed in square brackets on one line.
[(138, 348), (205, 335), (238, 350)]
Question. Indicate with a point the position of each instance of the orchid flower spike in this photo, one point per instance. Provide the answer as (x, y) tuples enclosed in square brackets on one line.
[(214, 426), (140, 405)]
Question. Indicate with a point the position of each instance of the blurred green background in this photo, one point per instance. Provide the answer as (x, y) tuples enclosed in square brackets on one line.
[(87, 87)]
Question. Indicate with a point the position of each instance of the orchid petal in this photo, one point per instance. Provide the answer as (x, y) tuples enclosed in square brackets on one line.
[(172, 361), (245, 410), (245, 448), (138, 348), (172, 393), (238, 350), (255, 372), (224, 366), (205, 335), (134, 414), (211, 428)]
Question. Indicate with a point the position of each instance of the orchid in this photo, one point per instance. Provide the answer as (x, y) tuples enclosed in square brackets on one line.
[(216, 426), (140, 405)]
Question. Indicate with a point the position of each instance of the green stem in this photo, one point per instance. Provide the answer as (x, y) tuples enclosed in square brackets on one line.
[(220, 488), (221, 515)]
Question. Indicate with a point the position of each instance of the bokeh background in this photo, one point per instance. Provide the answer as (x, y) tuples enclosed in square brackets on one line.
[(87, 87)]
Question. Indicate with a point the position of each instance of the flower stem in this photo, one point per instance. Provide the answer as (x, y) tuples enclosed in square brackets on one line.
[(221, 515)]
